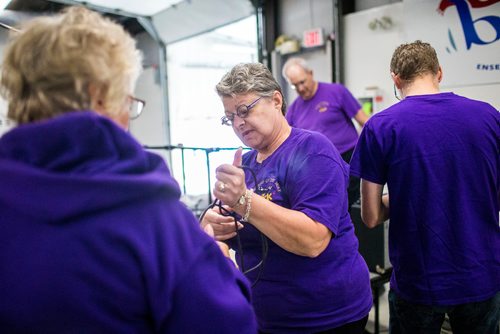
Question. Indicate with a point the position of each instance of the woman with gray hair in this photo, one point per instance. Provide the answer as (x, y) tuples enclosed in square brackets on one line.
[(93, 236), (309, 277)]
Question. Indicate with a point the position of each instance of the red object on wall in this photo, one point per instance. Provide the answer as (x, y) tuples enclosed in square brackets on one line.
[(313, 38)]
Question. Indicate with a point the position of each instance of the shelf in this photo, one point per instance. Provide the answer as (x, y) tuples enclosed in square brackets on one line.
[(302, 51)]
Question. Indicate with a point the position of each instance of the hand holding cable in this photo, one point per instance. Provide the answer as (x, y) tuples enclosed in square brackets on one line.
[(223, 226), (230, 185)]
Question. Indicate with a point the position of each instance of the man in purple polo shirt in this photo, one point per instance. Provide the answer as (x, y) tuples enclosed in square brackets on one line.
[(327, 108), (439, 155)]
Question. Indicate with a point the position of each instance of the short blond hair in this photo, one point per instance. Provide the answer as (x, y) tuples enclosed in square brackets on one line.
[(50, 66)]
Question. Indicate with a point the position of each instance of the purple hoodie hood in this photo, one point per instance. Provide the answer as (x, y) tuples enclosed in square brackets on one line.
[(51, 169)]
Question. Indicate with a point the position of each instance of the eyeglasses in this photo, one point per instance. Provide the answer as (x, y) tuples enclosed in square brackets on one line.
[(300, 83), (242, 111), (136, 107), (396, 93)]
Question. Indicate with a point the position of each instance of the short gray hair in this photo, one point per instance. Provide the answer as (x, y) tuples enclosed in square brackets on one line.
[(249, 77), (292, 62)]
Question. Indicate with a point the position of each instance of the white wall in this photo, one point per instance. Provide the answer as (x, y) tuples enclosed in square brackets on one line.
[(299, 15), (367, 4), (367, 52), (151, 127), (5, 124), (295, 17)]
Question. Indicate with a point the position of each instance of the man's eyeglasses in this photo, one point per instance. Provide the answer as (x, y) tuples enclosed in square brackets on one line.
[(242, 111), (136, 107)]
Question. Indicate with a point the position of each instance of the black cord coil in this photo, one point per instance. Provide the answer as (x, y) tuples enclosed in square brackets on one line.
[(225, 212)]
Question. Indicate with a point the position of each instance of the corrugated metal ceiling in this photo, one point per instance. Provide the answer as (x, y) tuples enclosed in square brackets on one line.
[(173, 19)]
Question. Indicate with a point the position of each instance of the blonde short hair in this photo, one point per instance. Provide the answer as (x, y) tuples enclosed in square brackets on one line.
[(51, 65)]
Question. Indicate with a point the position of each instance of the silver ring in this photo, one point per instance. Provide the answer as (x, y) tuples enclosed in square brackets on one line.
[(222, 187)]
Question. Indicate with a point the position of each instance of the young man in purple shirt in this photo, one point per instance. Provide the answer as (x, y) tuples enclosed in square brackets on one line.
[(327, 108), (439, 155)]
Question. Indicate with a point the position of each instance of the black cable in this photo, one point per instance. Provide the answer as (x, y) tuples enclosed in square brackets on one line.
[(264, 243), (265, 246)]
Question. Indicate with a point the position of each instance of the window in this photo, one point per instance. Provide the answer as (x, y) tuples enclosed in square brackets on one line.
[(194, 67)]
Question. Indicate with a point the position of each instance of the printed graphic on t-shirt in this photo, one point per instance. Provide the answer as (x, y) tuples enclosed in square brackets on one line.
[(322, 106), (269, 188)]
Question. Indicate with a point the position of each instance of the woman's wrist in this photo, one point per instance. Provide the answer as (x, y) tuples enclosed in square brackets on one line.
[(243, 205), (248, 208)]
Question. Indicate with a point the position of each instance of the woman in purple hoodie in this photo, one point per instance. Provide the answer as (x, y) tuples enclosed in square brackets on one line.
[(93, 237)]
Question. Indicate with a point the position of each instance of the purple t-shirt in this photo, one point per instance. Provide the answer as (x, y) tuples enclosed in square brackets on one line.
[(297, 294), (439, 155), (329, 111)]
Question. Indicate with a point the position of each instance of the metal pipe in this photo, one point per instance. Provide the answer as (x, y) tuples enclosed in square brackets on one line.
[(147, 24)]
